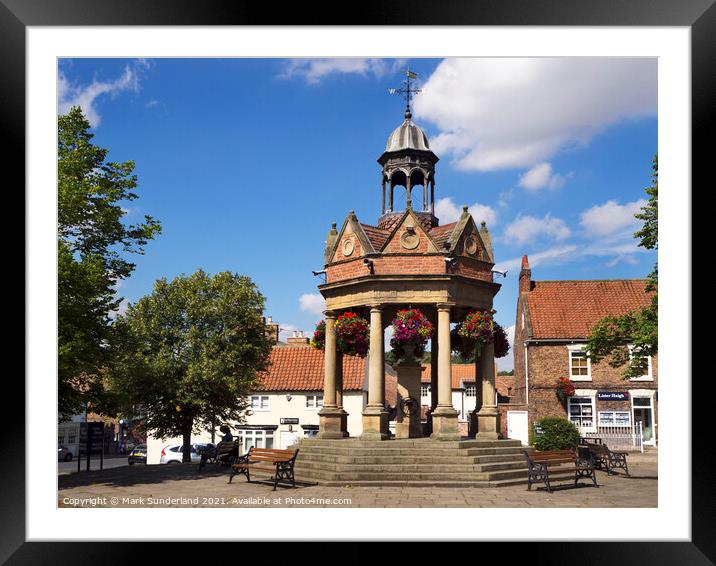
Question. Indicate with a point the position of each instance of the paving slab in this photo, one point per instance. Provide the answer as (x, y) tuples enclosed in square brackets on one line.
[(182, 485)]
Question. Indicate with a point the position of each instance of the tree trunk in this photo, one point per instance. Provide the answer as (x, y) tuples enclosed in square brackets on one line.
[(186, 442)]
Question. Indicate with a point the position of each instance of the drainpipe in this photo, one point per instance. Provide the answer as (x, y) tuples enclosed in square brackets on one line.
[(527, 377)]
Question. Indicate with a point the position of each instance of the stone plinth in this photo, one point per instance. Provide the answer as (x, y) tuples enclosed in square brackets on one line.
[(331, 423), (408, 425), (445, 426), (488, 423), (375, 424)]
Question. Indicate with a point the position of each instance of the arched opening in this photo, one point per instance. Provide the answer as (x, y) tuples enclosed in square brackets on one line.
[(397, 179), (417, 178)]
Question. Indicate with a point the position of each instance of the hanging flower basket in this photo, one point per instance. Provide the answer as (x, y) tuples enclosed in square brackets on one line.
[(352, 335), (564, 389), (478, 328), (410, 326), (502, 344), (319, 336)]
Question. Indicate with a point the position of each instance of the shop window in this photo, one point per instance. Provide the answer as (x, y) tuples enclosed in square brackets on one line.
[(579, 366), (614, 418), (259, 402), (581, 413), (71, 436), (314, 401), (255, 437)]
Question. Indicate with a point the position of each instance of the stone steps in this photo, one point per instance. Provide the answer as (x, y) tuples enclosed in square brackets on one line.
[(435, 452), (415, 462), (308, 466), (319, 457)]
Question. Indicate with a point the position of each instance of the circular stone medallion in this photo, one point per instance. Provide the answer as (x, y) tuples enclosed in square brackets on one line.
[(348, 246), (409, 240), (471, 245)]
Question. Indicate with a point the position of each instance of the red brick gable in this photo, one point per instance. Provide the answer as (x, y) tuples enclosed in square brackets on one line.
[(568, 309), (301, 369)]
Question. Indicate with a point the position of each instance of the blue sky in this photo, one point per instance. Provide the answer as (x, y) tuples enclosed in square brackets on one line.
[(246, 162)]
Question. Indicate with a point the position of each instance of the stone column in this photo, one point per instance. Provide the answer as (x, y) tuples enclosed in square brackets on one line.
[(330, 417), (445, 425), (432, 196), (488, 417), (375, 417), (409, 197), (382, 208), (433, 381), (425, 194), (390, 195), (339, 393)]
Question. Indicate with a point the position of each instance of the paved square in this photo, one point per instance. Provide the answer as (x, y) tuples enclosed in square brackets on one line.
[(181, 485)]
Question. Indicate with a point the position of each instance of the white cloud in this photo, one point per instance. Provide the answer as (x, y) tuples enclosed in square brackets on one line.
[(541, 176), (312, 302), (611, 220), (500, 113), (526, 229), (314, 70), (447, 211), (85, 96), (558, 254)]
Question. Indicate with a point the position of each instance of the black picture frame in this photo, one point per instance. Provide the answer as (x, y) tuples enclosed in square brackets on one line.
[(698, 15)]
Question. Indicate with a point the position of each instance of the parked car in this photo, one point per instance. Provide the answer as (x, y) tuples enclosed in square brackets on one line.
[(172, 454), (64, 453), (138, 455)]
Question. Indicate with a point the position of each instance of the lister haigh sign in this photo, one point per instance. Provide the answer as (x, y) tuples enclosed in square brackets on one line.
[(613, 395)]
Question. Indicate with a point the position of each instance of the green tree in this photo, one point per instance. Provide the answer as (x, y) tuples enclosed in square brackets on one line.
[(190, 353), (93, 242), (611, 336)]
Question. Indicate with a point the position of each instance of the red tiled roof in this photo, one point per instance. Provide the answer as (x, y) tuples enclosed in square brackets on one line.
[(441, 233), (568, 309), (301, 369), (460, 373), (377, 236)]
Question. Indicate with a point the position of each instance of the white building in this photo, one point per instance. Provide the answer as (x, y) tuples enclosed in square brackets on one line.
[(285, 407)]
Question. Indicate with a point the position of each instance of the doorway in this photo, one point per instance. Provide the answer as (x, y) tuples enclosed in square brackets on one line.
[(517, 426), (644, 414)]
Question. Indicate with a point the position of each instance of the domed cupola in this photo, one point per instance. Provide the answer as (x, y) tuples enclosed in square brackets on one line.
[(408, 162), (407, 136)]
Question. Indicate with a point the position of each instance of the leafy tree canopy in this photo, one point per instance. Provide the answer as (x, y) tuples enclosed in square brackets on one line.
[(93, 242), (611, 336), (189, 353)]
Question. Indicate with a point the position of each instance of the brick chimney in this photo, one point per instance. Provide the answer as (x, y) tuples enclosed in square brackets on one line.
[(298, 340), (271, 329), (525, 276)]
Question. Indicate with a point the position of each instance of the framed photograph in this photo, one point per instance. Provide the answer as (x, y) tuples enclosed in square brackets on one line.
[(293, 276)]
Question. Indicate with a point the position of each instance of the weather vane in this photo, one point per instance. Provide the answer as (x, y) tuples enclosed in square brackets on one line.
[(407, 91)]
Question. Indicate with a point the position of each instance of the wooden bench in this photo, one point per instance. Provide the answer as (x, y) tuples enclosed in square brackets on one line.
[(225, 453), (606, 459), (541, 464), (280, 462)]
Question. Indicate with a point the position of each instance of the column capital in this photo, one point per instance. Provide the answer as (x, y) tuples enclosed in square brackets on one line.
[(445, 306), (376, 307), (329, 314)]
